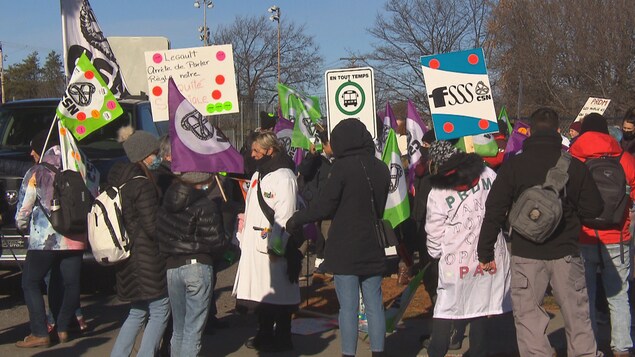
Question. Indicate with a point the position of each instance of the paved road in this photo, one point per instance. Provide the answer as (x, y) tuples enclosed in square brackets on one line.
[(105, 315)]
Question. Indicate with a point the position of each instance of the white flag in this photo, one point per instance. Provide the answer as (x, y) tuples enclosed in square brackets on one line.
[(81, 34)]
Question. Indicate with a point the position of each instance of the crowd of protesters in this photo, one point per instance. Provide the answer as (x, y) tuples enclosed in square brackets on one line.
[(459, 225)]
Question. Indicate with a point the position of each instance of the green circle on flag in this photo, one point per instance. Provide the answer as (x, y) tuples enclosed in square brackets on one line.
[(227, 106), (211, 108), (350, 100), (219, 107)]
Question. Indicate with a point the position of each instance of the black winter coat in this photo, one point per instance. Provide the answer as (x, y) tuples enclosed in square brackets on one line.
[(540, 153), (352, 248), (314, 170), (142, 276), (190, 223)]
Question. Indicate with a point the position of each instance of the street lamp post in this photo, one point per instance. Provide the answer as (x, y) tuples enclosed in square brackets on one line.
[(275, 16), (204, 30)]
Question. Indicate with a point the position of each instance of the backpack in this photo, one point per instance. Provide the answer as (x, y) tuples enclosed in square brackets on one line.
[(538, 210), (74, 199), (609, 176), (109, 241)]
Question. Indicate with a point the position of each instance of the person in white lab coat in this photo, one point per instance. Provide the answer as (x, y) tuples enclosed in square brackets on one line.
[(455, 209), (263, 273)]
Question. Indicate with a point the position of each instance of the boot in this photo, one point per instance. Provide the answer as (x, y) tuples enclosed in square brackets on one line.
[(403, 278), (34, 341)]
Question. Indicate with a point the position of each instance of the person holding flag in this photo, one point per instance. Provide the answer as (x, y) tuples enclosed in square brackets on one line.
[(353, 252)]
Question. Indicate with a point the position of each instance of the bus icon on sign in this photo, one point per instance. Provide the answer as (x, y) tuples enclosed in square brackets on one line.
[(350, 97)]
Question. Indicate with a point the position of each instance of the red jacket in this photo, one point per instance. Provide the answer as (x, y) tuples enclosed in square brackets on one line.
[(595, 144)]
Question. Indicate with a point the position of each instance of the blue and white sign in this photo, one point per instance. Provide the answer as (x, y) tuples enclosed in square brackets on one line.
[(459, 93)]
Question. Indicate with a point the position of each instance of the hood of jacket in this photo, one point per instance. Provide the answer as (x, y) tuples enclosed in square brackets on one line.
[(459, 173), (53, 156), (121, 172), (350, 137), (593, 144), (280, 161), (179, 196)]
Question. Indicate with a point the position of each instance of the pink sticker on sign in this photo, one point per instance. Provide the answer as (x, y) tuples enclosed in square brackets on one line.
[(111, 105), (157, 58), (220, 55), (80, 129)]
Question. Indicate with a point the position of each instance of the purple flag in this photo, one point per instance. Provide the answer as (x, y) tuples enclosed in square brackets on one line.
[(389, 122), (415, 129), (284, 132), (197, 145), (516, 139)]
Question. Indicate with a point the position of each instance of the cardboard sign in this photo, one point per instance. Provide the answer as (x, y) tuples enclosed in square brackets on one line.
[(593, 105), (459, 93), (350, 93), (205, 76)]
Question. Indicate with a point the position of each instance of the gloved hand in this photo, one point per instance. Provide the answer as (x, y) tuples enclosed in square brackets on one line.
[(294, 261)]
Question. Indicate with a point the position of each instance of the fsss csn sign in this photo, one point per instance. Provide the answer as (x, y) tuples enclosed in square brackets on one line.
[(459, 94), (350, 93)]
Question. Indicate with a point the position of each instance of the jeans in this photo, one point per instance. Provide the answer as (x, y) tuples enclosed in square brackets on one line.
[(157, 313), (36, 266), (190, 290), (347, 289), (615, 275)]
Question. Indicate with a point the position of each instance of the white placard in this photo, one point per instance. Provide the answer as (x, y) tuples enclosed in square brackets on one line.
[(350, 93), (205, 76), (593, 105)]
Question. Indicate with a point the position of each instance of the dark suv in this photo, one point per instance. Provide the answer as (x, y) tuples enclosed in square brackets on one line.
[(19, 122)]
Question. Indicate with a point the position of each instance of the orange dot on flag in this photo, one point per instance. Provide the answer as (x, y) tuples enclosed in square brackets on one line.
[(95, 113), (63, 131)]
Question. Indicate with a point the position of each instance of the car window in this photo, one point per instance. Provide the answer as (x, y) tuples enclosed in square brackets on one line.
[(145, 121), (17, 127)]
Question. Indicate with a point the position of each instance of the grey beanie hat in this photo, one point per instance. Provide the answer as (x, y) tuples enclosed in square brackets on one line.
[(137, 144), (195, 177), (441, 151)]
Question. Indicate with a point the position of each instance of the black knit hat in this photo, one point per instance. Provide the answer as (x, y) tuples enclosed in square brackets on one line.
[(594, 122), (37, 143)]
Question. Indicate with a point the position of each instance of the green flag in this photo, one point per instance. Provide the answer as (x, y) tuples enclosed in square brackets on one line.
[(503, 116), (87, 104), (484, 145), (397, 206), (304, 111)]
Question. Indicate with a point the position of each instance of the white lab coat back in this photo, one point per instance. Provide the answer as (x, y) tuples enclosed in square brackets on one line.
[(261, 277), (453, 224)]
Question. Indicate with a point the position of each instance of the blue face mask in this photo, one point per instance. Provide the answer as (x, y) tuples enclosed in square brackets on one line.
[(155, 163)]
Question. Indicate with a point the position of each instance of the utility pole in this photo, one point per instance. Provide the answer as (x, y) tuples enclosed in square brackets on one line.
[(1, 73), (352, 60)]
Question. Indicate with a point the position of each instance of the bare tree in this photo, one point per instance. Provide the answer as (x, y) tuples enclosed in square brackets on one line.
[(558, 53), (409, 29), (255, 46)]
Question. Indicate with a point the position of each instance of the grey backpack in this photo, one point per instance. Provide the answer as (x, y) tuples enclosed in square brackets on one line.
[(538, 210)]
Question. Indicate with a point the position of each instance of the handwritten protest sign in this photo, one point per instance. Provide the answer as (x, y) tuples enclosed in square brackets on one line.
[(593, 105), (459, 92), (205, 76)]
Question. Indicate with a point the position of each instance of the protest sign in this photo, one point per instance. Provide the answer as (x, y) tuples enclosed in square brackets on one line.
[(459, 92), (593, 105), (205, 76), (350, 93)]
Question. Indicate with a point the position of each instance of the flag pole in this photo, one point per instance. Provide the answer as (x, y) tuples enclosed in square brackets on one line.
[(48, 136), (220, 187)]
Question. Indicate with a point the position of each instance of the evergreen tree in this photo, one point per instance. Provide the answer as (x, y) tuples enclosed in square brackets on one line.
[(52, 77), (22, 79)]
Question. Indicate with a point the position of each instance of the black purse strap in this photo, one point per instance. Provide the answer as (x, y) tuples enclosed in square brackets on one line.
[(372, 192), (266, 210)]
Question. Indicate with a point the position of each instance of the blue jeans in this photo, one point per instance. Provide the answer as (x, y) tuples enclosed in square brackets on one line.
[(190, 290), (615, 280), (157, 313), (347, 289), (36, 266)]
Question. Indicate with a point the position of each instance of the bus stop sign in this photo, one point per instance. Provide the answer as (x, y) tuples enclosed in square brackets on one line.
[(350, 93)]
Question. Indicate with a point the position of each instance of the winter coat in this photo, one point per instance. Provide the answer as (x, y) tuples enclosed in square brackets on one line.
[(455, 210), (352, 247), (189, 225), (628, 146), (594, 144), (262, 277), (142, 276), (314, 170), (38, 185), (540, 153)]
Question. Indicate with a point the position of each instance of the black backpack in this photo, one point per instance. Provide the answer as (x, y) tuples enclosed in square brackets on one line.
[(75, 201), (609, 176)]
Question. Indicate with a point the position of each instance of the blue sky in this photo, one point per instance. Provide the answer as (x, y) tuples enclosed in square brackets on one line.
[(338, 26)]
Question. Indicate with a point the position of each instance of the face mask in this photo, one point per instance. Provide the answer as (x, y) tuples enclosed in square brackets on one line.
[(155, 163), (628, 135), (263, 160)]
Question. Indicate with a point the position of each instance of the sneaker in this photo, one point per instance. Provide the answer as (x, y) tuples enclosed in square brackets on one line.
[(404, 276)]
